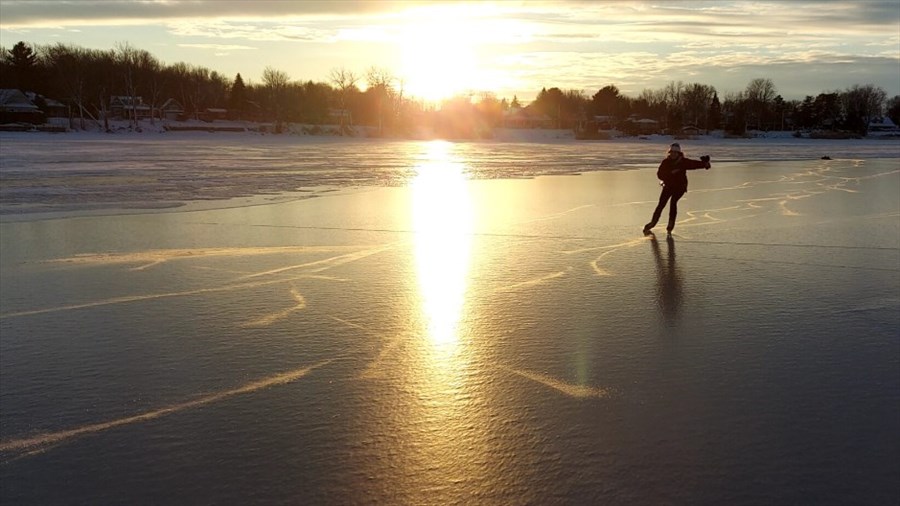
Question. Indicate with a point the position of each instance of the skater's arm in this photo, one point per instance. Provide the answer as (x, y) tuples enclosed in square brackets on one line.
[(690, 164)]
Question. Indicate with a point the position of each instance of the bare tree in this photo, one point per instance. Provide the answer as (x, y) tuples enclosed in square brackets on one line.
[(381, 81), (127, 60), (345, 81), (105, 75), (151, 79), (735, 110), (862, 104), (651, 104), (276, 83), (673, 93), (697, 100), (196, 86), (760, 94), (72, 71), (216, 89), (180, 73)]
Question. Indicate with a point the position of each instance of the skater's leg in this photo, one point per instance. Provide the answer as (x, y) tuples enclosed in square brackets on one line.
[(673, 210), (663, 198)]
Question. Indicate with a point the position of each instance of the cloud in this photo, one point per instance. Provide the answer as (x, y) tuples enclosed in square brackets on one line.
[(259, 31), (728, 23), (104, 12), (799, 15), (218, 47), (797, 72)]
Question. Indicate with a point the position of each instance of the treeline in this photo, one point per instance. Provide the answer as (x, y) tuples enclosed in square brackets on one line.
[(86, 79), (758, 107)]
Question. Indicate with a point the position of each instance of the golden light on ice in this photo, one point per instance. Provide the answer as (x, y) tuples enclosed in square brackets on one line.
[(443, 221)]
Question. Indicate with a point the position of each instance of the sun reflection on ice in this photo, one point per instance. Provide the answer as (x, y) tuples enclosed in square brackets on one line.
[(443, 220), (447, 436)]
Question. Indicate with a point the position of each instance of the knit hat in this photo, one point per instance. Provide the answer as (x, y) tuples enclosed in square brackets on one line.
[(675, 148)]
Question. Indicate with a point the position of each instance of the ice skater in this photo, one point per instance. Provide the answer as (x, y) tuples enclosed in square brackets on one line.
[(672, 174)]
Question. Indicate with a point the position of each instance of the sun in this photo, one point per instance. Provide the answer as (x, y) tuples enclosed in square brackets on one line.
[(453, 48), (439, 59)]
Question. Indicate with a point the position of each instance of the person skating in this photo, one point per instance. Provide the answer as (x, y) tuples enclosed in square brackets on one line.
[(672, 173)]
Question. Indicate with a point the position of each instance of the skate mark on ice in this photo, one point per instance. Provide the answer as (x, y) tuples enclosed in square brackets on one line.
[(534, 282), (631, 243), (577, 391), (140, 298), (35, 443), (782, 206), (151, 258), (324, 264), (789, 245), (388, 345), (559, 214), (595, 263), (271, 318)]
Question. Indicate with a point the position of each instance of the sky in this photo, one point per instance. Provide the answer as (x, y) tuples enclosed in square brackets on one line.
[(511, 48)]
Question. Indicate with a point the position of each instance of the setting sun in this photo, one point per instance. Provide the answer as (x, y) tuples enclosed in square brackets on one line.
[(437, 61), (451, 49)]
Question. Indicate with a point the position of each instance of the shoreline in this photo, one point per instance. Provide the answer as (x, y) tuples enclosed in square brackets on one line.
[(192, 128), (504, 137)]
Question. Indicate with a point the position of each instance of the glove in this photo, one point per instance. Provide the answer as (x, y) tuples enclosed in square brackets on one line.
[(705, 159)]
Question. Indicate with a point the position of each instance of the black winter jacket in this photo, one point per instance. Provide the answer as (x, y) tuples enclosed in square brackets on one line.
[(673, 172)]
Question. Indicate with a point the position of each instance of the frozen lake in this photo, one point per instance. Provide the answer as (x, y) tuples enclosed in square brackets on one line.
[(84, 172), (430, 323)]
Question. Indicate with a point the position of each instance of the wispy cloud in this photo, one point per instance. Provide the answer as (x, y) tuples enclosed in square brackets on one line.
[(45, 13), (251, 31), (218, 47), (723, 23)]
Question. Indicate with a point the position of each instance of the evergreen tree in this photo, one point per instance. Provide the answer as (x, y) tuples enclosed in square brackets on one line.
[(604, 101), (828, 112), (24, 65), (893, 109), (238, 97), (806, 113), (715, 113)]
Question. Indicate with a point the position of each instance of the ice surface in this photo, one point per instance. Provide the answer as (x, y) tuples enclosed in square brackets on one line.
[(442, 331), (82, 172)]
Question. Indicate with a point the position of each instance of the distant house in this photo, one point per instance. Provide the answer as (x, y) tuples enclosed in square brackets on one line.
[(525, 117), (126, 107), (340, 117), (883, 125), (214, 113), (249, 110), (604, 122), (690, 130), (170, 110), (647, 126), (15, 107), (52, 108)]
